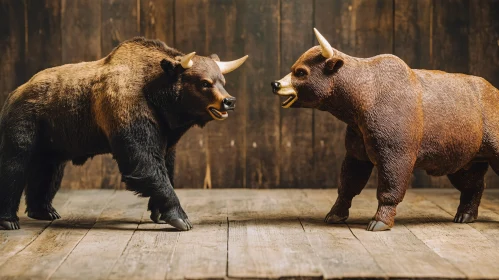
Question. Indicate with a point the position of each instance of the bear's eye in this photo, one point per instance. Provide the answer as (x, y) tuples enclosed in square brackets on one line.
[(205, 84), (300, 73)]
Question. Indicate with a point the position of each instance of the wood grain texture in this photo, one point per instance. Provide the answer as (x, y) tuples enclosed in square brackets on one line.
[(401, 253), (296, 150), (42, 257), (81, 41), (261, 43), (157, 20), (341, 254), (12, 242), (44, 35), (12, 46), (191, 167), (120, 219), (263, 228), (202, 252)]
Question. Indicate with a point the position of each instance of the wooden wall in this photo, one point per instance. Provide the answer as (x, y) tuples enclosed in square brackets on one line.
[(260, 145)]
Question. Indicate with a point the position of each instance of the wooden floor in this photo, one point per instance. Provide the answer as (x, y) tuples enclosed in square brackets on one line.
[(252, 234)]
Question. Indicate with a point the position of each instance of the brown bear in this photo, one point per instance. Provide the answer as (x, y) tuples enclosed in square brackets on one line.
[(399, 119), (135, 103)]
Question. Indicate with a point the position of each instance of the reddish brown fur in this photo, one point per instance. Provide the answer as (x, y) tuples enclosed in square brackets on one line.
[(400, 119)]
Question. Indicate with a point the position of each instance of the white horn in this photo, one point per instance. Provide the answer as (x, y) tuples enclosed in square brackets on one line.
[(186, 60), (327, 51), (229, 66)]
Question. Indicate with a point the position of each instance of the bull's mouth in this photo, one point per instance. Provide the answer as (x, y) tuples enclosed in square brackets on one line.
[(217, 115), (291, 98)]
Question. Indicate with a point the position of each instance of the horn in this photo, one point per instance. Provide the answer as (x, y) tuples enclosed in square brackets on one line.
[(186, 60), (229, 66), (327, 51)]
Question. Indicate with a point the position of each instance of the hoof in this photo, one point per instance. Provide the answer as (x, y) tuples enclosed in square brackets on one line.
[(377, 226), (9, 225), (183, 225), (46, 215), (334, 219), (464, 218)]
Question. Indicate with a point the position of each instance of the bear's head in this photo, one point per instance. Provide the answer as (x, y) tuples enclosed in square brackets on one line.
[(311, 81), (192, 89)]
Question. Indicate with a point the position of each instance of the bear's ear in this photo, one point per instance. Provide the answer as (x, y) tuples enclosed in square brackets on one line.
[(333, 64), (167, 66), (214, 57)]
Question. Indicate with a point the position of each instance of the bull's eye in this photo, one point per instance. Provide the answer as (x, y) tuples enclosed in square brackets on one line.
[(300, 73), (205, 84)]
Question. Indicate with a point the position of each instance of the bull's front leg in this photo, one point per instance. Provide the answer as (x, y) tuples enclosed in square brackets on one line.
[(394, 174), (137, 150), (354, 176)]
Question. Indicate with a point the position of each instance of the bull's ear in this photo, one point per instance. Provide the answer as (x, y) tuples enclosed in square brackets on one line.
[(333, 64), (214, 57)]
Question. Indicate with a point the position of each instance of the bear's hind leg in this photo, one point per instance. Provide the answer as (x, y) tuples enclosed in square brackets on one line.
[(471, 184), (44, 181), (16, 147)]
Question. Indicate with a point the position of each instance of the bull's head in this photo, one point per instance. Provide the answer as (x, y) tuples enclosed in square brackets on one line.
[(311, 78), (199, 85)]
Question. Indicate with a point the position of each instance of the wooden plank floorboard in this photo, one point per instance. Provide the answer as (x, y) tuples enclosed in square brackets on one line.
[(266, 238), (44, 255), (466, 248), (11, 242), (398, 252), (488, 220), (97, 252), (202, 252), (340, 253)]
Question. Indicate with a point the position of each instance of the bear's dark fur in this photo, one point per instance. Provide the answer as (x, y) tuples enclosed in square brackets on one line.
[(135, 103)]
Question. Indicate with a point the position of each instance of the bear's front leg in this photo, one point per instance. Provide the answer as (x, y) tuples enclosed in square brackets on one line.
[(137, 150), (354, 176), (170, 167), (394, 174)]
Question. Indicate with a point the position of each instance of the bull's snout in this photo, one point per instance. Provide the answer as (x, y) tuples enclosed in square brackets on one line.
[(229, 103), (275, 86)]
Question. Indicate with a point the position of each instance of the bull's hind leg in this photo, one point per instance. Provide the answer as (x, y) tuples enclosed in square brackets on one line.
[(471, 184), (44, 180), (16, 148)]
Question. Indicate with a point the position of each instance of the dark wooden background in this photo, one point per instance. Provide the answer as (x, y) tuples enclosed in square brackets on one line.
[(260, 145)]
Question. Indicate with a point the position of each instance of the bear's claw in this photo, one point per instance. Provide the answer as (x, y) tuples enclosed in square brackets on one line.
[(464, 218), (46, 215), (9, 225), (377, 226)]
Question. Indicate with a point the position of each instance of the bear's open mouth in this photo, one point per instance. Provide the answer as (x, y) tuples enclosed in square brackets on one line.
[(289, 100), (217, 115)]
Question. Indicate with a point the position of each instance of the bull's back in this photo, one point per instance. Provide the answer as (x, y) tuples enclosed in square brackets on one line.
[(453, 122)]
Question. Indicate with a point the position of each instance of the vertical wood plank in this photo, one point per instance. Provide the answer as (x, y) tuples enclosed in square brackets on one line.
[(120, 22), (12, 46), (360, 28), (157, 20), (190, 35), (226, 151), (484, 51), (81, 36), (258, 22), (296, 153), (44, 45)]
